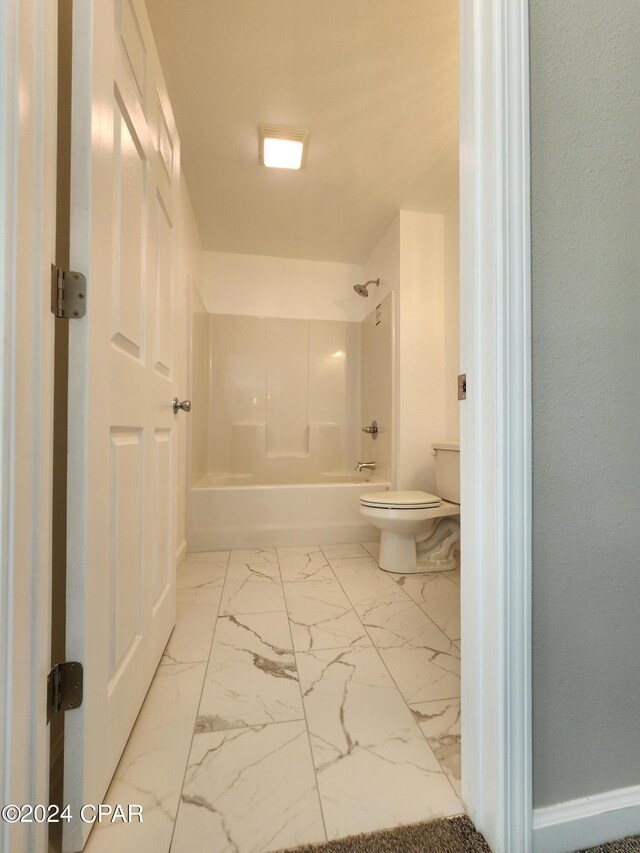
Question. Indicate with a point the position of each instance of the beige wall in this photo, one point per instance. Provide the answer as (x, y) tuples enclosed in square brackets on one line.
[(289, 288), (384, 263), (200, 373), (416, 259), (585, 163), (188, 274), (451, 322), (420, 348)]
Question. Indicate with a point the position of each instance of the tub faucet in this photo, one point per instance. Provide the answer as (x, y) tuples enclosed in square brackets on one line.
[(370, 466)]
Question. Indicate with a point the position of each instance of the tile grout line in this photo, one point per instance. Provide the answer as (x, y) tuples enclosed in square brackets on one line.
[(401, 588), (446, 775), (193, 733), (344, 611), (373, 644), (428, 701), (271, 549), (428, 615), (409, 598), (304, 710), (250, 613)]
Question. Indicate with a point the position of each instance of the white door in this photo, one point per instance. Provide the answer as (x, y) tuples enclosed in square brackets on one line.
[(121, 548)]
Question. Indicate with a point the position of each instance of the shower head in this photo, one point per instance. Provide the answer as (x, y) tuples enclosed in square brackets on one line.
[(361, 289)]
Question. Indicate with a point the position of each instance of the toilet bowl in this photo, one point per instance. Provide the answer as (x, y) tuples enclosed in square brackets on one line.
[(418, 530)]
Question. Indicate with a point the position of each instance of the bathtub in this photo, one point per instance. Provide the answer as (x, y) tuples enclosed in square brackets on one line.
[(230, 511)]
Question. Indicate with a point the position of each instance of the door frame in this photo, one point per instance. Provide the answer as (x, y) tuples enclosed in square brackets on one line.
[(495, 420), (28, 63)]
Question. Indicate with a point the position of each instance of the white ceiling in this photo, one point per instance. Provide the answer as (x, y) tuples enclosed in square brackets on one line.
[(374, 82)]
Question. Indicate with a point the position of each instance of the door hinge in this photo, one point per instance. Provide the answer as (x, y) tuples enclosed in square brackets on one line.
[(462, 386), (68, 293), (64, 687)]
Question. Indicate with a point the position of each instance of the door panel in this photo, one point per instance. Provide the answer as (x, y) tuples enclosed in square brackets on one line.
[(126, 543), (164, 292), (121, 541), (164, 545), (133, 43), (129, 221)]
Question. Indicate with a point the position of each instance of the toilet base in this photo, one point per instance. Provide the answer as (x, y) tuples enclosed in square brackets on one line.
[(437, 565), (401, 553), (398, 553)]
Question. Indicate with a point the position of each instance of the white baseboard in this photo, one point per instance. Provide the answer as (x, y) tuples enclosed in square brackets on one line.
[(574, 825), (181, 552)]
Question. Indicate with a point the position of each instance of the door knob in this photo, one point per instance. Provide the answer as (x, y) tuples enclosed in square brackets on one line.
[(185, 405)]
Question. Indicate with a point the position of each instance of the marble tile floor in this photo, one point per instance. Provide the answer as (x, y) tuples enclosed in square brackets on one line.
[(304, 695)]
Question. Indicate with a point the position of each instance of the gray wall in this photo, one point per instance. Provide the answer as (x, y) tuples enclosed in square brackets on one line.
[(585, 116)]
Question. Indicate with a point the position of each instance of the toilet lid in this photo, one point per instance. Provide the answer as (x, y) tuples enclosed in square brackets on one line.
[(400, 500)]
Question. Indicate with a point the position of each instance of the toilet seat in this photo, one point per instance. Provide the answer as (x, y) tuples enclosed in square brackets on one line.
[(400, 500)]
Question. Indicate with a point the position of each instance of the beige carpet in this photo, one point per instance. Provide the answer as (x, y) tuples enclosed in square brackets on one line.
[(437, 836), (456, 835)]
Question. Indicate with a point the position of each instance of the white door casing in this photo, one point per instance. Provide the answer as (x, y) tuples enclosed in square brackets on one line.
[(496, 421), (28, 64), (121, 532)]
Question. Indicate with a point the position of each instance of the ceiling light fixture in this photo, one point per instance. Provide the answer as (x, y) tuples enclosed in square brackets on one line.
[(282, 147)]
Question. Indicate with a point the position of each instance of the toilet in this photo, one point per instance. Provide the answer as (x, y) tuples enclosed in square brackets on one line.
[(419, 531)]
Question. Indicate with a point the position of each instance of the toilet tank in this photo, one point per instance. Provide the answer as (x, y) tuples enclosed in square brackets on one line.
[(447, 464)]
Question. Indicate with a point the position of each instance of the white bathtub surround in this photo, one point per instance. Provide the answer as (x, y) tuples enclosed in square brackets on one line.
[(233, 516), (377, 371), (283, 397), (297, 726)]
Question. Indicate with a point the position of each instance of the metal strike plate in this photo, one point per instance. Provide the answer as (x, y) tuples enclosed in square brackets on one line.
[(462, 386)]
